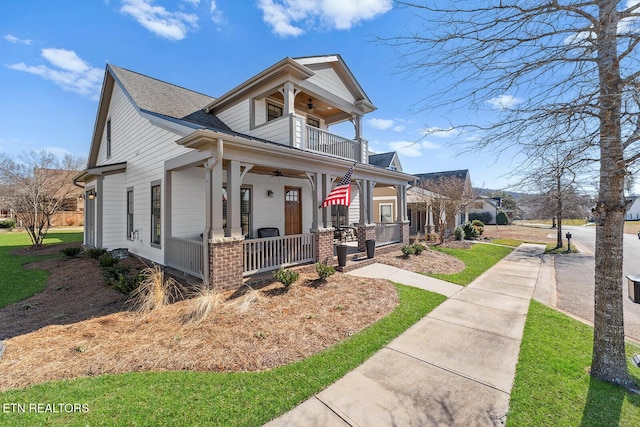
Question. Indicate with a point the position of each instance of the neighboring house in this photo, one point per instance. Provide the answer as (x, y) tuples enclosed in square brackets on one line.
[(633, 211), (385, 198), (419, 210), (227, 187), (6, 194), (486, 204)]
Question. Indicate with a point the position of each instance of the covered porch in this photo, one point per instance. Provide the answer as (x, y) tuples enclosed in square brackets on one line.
[(236, 207)]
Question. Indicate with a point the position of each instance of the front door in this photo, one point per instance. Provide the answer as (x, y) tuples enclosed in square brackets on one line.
[(292, 210)]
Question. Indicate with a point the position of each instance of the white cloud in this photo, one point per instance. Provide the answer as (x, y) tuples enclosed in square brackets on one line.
[(428, 145), (504, 102), (381, 124), (14, 39), (399, 128), (216, 15), (158, 20), (407, 148), (69, 71), (289, 17)]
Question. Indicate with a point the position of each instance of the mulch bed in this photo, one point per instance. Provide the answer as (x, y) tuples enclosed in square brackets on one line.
[(79, 327)]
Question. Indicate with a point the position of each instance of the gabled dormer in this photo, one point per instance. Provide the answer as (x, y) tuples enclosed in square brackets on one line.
[(295, 101)]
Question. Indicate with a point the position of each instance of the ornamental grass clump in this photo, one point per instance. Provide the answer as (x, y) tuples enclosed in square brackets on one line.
[(154, 291), (205, 300)]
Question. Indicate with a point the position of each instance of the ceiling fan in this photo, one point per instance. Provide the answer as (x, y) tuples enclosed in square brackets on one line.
[(277, 172)]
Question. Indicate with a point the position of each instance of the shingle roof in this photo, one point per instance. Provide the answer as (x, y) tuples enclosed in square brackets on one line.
[(382, 160), (160, 97), (461, 174)]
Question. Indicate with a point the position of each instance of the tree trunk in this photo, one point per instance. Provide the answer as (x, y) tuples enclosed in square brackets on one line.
[(609, 359)]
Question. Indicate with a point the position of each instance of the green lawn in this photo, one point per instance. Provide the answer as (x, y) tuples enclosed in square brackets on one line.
[(552, 386), (477, 259), (514, 243), (192, 398), (16, 282)]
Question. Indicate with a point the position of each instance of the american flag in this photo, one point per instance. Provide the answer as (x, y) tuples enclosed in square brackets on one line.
[(341, 195)]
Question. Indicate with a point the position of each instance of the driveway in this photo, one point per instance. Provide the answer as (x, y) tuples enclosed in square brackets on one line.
[(575, 277)]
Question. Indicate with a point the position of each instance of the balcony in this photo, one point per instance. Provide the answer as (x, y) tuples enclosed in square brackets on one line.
[(321, 141), (294, 131)]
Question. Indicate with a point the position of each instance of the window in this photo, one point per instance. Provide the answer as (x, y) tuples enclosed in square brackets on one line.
[(385, 212), (130, 213), (313, 122), (156, 223), (273, 112), (108, 138), (245, 210)]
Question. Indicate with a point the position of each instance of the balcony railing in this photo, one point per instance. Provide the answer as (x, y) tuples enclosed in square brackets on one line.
[(328, 143), (387, 233), (186, 255), (271, 253)]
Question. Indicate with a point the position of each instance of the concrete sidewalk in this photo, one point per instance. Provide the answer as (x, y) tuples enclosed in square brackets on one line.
[(454, 367)]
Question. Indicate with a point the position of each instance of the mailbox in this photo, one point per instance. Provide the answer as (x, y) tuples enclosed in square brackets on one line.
[(634, 288)]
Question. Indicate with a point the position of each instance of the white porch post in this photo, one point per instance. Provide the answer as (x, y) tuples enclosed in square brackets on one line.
[(289, 94), (327, 181), (316, 179), (369, 202), (362, 188), (215, 207), (234, 226)]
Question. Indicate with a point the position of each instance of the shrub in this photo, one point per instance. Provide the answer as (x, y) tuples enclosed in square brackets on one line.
[(108, 260), (502, 218), (470, 232), (205, 300), (485, 217), (72, 251), (8, 223), (96, 253), (479, 225), (418, 248), (119, 278), (324, 270), (458, 233), (407, 250), (286, 277)]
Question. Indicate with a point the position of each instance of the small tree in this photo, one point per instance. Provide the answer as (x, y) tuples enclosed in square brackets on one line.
[(41, 184), (444, 197)]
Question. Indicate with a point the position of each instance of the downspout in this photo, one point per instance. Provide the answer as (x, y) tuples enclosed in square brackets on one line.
[(209, 206)]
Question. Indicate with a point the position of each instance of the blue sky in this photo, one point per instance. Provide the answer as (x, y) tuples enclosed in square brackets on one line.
[(53, 55)]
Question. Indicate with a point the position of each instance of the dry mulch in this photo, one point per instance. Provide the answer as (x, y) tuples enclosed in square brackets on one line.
[(78, 327), (428, 261)]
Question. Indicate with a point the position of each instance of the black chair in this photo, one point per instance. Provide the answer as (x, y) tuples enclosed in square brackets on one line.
[(268, 232)]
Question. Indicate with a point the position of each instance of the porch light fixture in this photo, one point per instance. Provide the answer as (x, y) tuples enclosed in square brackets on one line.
[(92, 194), (310, 104), (269, 193)]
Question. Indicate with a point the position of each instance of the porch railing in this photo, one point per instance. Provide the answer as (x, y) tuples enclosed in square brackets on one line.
[(387, 233), (328, 143), (186, 255), (271, 253)]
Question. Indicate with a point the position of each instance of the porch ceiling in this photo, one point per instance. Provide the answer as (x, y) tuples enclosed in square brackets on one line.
[(330, 113)]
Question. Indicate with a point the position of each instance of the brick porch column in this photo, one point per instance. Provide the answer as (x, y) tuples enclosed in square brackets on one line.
[(226, 262), (365, 232), (324, 245), (404, 232)]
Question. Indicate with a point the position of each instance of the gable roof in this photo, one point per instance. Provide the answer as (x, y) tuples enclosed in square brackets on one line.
[(385, 160), (153, 96), (462, 174), (159, 97)]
